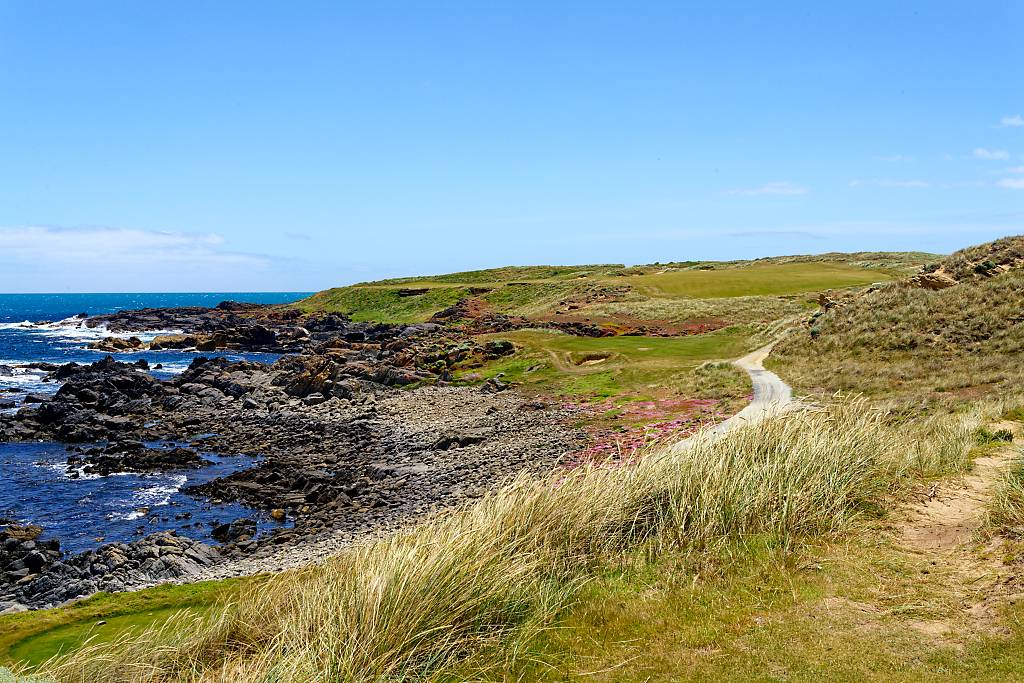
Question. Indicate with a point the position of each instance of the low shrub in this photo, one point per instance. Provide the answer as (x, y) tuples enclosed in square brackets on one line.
[(984, 436)]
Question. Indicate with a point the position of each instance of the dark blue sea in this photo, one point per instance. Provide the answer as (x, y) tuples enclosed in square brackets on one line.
[(86, 512)]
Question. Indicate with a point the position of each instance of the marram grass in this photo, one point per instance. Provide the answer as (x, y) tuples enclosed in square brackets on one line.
[(414, 606)]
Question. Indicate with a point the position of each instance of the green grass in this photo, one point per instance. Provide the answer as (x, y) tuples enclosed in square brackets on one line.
[(382, 304), (32, 637), (561, 364), (770, 279), (539, 290), (736, 310), (37, 649)]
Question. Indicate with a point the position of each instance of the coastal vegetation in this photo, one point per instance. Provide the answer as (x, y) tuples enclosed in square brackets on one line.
[(953, 341), (540, 291), (479, 587), (870, 533), (558, 364), (36, 636)]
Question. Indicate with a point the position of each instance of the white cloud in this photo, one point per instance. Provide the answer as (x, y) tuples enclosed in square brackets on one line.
[(886, 182), (775, 188), (119, 246), (1015, 121), (39, 258), (1013, 169), (1012, 183), (991, 154)]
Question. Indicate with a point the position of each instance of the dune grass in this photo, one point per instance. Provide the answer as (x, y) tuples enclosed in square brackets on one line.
[(1007, 508), (489, 578), (912, 345), (1008, 504)]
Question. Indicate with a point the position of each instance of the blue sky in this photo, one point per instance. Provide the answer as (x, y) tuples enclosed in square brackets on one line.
[(292, 146)]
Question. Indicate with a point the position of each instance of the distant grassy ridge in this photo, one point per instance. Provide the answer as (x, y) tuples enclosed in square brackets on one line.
[(537, 290), (506, 274), (463, 594)]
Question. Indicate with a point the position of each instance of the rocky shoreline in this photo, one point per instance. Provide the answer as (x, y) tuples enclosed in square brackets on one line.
[(357, 429)]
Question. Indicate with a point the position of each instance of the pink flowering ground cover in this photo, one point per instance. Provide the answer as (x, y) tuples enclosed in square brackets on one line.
[(619, 430)]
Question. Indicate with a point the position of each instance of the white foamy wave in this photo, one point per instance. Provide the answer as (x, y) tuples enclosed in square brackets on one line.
[(128, 516), (17, 374), (23, 381), (77, 329), (79, 473), (174, 368), (24, 324), (159, 494)]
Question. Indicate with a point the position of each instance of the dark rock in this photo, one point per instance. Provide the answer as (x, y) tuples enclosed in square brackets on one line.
[(462, 439), (499, 347), (111, 567), (134, 457), (236, 530)]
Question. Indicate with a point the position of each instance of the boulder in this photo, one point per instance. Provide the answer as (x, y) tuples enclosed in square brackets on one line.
[(116, 344), (461, 438), (240, 529), (173, 341), (934, 281)]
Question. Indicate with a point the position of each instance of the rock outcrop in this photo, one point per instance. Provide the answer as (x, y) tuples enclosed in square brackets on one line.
[(112, 567)]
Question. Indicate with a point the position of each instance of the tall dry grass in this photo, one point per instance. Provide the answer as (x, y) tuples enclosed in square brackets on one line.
[(414, 605), (907, 345)]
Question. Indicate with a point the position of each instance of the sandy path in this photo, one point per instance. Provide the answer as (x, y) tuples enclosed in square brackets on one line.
[(944, 529)]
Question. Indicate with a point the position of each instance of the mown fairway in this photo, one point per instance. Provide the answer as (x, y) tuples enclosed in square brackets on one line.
[(772, 279), (60, 640)]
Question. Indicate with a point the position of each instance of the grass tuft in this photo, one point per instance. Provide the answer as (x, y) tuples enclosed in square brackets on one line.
[(1006, 510)]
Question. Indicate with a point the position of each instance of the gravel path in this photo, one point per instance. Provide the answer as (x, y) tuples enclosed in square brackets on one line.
[(772, 397)]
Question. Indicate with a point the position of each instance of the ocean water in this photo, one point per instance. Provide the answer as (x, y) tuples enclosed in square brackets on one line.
[(89, 511), (43, 327)]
